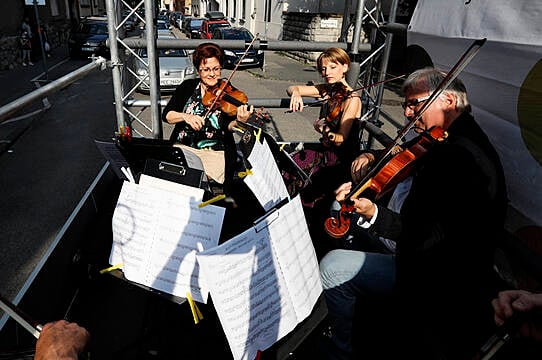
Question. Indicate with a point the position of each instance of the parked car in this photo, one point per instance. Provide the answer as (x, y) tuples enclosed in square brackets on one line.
[(192, 28), (253, 58), (162, 28), (174, 18), (175, 66), (89, 38), (209, 25), (184, 24)]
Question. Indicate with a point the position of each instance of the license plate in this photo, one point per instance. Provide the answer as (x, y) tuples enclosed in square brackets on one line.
[(87, 49), (247, 60), (167, 82)]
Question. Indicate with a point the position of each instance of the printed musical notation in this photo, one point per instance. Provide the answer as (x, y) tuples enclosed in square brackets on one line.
[(156, 235), (263, 281), (265, 181)]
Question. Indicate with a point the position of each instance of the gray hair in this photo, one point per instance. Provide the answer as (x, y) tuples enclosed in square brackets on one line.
[(428, 79)]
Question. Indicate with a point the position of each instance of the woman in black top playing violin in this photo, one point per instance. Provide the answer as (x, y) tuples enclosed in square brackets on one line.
[(328, 165), (338, 117), (203, 130)]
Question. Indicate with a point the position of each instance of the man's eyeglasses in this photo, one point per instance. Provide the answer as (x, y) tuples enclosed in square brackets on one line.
[(411, 104), (208, 70)]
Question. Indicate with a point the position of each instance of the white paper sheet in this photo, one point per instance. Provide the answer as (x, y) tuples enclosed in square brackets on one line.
[(265, 181), (264, 281), (156, 234)]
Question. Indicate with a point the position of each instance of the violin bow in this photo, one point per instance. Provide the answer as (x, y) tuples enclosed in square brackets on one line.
[(233, 72), (318, 102), (32, 326), (463, 61)]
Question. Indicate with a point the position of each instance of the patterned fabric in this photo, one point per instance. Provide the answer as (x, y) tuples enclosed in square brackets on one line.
[(310, 161), (210, 136)]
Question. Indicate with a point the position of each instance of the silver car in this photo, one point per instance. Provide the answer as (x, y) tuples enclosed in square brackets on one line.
[(175, 66)]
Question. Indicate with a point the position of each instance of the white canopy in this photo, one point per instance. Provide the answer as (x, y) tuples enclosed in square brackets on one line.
[(504, 81)]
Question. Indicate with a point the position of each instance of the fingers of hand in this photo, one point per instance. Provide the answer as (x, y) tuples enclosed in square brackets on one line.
[(196, 122), (296, 103)]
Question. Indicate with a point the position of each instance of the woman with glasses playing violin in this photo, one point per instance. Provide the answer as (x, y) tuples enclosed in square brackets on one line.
[(446, 221), (202, 129)]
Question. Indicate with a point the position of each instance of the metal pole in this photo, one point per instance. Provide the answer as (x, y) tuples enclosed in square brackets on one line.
[(346, 22), (44, 58), (20, 103), (284, 45), (153, 68), (385, 59), (115, 61), (353, 73)]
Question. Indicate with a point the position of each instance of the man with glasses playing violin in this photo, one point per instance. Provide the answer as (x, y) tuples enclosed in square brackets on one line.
[(205, 129), (446, 221)]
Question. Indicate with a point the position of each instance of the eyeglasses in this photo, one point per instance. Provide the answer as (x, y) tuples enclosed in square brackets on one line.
[(411, 104), (208, 70)]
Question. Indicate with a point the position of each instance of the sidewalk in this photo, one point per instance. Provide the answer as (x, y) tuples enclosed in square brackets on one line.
[(278, 66)]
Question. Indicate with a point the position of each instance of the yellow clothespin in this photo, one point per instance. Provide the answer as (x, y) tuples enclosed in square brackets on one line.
[(238, 129), (195, 311), (258, 134), (242, 174), (111, 268), (210, 201), (282, 147)]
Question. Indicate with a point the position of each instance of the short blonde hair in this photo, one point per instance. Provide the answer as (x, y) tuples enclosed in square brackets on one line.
[(333, 54)]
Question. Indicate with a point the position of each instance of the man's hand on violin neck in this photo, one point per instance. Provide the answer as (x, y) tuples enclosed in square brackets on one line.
[(360, 166)]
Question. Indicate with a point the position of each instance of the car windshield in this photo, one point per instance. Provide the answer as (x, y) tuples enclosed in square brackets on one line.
[(196, 23), (218, 25), (94, 28), (237, 35), (167, 53)]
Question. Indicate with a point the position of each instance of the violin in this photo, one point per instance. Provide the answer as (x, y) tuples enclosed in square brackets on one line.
[(337, 94), (397, 169), (225, 97)]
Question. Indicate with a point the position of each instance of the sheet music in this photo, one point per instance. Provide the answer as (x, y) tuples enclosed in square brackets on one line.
[(265, 181), (264, 281), (156, 234)]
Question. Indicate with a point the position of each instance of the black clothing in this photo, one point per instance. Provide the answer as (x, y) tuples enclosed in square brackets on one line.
[(446, 235)]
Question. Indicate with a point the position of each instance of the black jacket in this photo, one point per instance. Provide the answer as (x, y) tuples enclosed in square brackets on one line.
[(446, 233)]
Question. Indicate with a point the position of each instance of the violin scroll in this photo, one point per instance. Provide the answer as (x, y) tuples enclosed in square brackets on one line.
[(338, 227)]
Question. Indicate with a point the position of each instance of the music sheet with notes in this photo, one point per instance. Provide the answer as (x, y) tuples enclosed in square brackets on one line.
[(264, 281), (265, 181), (156, 234)]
